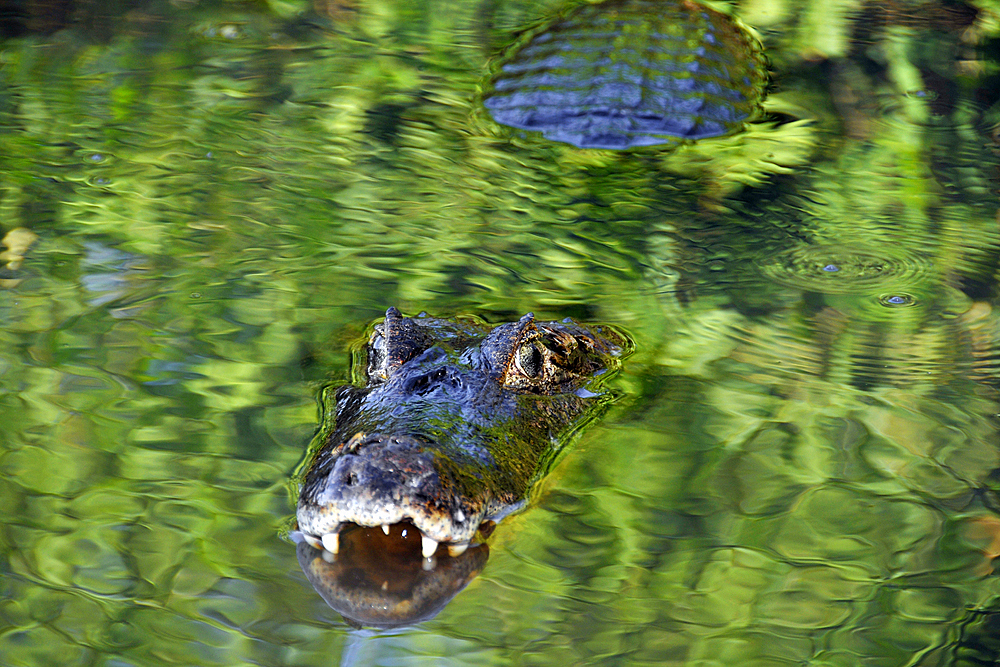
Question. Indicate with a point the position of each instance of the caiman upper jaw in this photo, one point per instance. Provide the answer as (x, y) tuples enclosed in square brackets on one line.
[(378, 480)]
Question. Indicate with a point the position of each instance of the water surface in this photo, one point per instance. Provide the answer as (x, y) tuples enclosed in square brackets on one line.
[(206, 206)]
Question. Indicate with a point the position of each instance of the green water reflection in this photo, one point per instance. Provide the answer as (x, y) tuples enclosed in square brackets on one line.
[(205, 208)]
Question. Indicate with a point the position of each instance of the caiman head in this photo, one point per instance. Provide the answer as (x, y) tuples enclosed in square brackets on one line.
[(453, 424)]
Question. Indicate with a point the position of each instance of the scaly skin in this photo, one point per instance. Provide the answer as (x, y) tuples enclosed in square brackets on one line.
[(454, 424)]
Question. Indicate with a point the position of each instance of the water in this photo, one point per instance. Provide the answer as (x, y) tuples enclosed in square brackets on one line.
[(206, 207)]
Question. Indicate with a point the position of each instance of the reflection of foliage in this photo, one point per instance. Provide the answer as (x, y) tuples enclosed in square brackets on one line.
[(814, 30), (220, 198), (748, 159)]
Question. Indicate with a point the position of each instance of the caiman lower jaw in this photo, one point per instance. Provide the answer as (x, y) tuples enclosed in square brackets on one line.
[(320, 527), (330, 542)]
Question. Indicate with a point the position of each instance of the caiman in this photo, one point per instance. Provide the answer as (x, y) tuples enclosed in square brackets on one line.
[(454, 423)]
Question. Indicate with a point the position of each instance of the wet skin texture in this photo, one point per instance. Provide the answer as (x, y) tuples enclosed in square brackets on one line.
[(454, 423)]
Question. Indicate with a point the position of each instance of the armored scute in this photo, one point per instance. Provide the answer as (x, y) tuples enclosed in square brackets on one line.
[(626, 73)]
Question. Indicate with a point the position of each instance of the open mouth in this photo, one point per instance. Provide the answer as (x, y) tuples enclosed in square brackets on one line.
[(380, 481), (380, 579), (405, 529)]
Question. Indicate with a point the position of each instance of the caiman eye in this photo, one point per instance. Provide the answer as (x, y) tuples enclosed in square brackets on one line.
[(529, 360)]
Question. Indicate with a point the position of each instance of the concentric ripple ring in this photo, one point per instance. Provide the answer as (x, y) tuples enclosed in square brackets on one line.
[(839, 269)]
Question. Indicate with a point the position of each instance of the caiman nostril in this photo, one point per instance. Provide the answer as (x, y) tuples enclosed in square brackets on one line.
[(427, 382)]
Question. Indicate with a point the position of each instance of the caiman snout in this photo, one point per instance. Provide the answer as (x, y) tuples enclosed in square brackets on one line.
[(380, 480), (380, 469)]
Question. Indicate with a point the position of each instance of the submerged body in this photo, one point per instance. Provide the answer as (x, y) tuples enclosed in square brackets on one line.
[(626, 73), (454, 423)]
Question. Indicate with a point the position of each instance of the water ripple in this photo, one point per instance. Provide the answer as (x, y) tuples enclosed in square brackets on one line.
[(842, 269)]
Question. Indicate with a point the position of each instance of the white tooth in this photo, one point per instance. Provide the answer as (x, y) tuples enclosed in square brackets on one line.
[(385, 585), (429, 563), (329, 557), (456, 550), (427, 546), (331, 541), (385, 528), (313, 541)]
